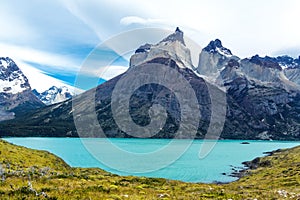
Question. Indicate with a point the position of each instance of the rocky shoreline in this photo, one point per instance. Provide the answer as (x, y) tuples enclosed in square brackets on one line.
[(257, 162)]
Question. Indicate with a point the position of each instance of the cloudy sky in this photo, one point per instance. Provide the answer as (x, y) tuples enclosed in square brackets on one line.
[(54, 37)]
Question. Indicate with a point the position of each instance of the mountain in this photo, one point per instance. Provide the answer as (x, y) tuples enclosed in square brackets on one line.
[(212, 60), (170, 47), (54, 95), (16, 96), (258, 96)]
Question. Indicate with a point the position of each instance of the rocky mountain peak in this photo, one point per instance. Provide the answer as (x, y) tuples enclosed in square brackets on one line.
[(213, 58), (176, 36), (216, 46), (178, 30), (171, 47)]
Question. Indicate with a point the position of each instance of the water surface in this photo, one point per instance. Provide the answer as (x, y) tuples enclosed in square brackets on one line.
[(189, 167)]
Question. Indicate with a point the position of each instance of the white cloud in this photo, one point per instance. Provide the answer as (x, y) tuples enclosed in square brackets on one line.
[(40, 81), (104, 72), (37, 78), (27, 54), (245, 27), (42, 24), (139, 20), (14, 27), (111, 71)]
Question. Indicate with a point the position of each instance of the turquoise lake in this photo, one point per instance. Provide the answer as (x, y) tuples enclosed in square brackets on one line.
[(187, 166)]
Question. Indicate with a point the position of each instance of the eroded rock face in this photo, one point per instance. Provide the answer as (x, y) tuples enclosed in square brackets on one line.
[(261, 69)]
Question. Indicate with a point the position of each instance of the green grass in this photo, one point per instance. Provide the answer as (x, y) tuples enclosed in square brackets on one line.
[(33, 174)]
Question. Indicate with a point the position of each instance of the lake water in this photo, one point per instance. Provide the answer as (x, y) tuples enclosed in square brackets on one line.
[(188, 167)]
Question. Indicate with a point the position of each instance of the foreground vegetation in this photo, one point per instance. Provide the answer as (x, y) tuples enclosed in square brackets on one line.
[(33, 174)]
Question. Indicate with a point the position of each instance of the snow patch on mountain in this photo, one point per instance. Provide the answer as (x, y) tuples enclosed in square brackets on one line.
[(224, 52), (14, 86), (4, 63)]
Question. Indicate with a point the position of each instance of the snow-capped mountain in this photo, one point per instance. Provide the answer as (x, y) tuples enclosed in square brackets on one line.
[(15, 92), (54, 95), (12, 79)]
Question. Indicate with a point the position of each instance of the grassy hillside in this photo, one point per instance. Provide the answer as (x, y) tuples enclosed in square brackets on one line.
[(33, 174)]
